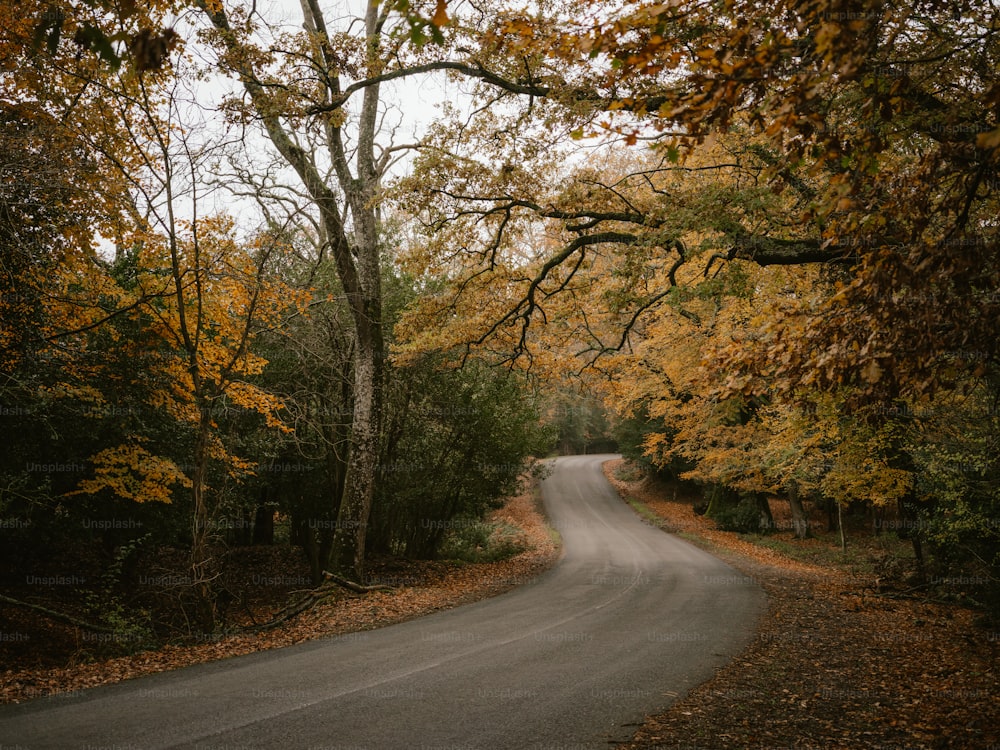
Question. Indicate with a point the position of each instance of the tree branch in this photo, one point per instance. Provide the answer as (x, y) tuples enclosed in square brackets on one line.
[(472, 70), (528, 304), (769, 251)]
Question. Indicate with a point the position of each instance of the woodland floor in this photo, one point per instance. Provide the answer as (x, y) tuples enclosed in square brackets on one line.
[(53, 658), (840, 661)]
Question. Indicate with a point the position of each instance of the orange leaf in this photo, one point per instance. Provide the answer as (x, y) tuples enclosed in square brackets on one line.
[(440, 17)]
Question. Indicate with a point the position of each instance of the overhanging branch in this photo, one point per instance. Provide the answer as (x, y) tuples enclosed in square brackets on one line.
[(528, 305), (639, 104), (770, 251)]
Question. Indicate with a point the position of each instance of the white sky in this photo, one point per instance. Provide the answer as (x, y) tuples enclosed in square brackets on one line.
[(411, 103)]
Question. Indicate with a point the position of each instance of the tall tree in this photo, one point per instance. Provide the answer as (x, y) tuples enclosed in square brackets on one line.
[(119, 165), (215, 292), (319, 96), (353, 246)]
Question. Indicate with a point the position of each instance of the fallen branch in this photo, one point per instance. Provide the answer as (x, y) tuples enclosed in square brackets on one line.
[(307, 602), (314, 597), (355, 587), (59, 616)]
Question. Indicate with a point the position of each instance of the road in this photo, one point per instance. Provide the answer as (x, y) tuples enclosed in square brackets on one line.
[(627, 621)]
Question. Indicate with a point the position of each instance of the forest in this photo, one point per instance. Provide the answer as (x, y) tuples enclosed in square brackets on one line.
[(333, 278)]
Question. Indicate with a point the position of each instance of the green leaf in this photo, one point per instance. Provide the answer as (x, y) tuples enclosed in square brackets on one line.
[(53, 38), (417, 36), (92, 38)]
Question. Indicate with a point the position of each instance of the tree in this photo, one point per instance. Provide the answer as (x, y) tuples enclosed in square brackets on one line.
[(58, 198), (885, 165), (833, 137), (309, 368), (461, 441), (318, 96), (354, 248), (183, 296)]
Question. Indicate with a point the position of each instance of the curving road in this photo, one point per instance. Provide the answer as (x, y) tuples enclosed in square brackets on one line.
[(628, 620)]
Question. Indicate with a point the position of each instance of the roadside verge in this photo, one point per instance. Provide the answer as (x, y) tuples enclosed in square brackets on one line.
[(834, 665), (419, 588)]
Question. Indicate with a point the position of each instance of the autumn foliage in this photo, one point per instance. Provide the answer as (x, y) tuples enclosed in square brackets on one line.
[(767, 231), (763, 234)]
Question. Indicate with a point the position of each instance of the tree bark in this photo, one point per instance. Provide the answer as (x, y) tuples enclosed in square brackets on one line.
[(359, 486), (201, 578), (263, 523), (800, 521), (764, 508), (910, 528), (720, 497)]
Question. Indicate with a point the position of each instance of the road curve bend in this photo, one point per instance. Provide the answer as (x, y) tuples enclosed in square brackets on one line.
[(628, 620)]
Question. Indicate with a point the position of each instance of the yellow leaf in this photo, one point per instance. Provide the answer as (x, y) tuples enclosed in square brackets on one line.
[(872, 372), (989, 140)]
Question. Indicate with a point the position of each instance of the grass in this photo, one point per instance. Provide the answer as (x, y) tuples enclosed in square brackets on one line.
[(659, 522), (629, 472), (865, 556), (645, 512), (694, 538), (555, 536)]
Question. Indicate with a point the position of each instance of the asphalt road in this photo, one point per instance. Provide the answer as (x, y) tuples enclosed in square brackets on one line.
[(628, 620)]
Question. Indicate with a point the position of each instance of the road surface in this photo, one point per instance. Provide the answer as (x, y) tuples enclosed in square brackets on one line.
[(627, 621)]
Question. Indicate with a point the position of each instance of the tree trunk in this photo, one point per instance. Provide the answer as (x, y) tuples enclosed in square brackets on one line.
[(263, 522), (910, 527), (311, 549), (362, 463), (297, 531), (323, 552), (764, 508), (201, 578), (800, 521), (361, 193), (354, 250), (719, 497), (878, 519), (832, 514)]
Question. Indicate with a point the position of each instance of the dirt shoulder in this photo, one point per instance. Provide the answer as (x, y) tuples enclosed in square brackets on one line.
[(835, 664), (419, 588)]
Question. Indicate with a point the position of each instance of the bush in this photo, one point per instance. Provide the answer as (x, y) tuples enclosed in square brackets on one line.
[(479, 542), (461, 442), (743, 518)]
